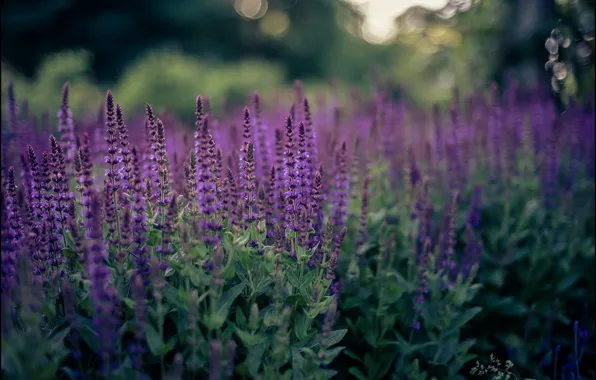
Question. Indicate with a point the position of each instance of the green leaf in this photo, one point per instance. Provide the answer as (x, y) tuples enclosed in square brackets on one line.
[(464, 318), (228, 298), (331, 354), (154, 237), (129, 303), (293, 279), (91, 338), (70, 373), (253, 360), (297, 364), (302, 323), (240, 318), (319, 308), (263, 285), (355, 371), (352, 355), (308, 279), (169, 346), (70, 254), (336, 337), (407, 350), (174, 297), (242, 239), (154, 341), (248, 339), (445, 352), (296, 300), (566, 284), (530, 210)]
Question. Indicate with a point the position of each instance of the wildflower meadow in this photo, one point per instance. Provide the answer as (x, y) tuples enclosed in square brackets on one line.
[(345, 237)]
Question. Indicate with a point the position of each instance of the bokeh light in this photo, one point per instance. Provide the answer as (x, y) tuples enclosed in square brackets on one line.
[(275, 24), (251, 9), (379, 25)]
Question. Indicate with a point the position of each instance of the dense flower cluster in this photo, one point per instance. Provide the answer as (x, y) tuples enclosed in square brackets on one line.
[(250, 242)]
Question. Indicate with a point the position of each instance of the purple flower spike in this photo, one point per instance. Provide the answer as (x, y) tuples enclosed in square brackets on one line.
[(422, 282), (363, 233), (290, 176), (66, 127), (215, 360), (342, 187), (102, 292)]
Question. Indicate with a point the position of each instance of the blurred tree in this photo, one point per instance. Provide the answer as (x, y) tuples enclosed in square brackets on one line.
[(117, 32)]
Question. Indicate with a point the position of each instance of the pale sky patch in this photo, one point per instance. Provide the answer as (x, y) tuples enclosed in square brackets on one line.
[(378, 26)]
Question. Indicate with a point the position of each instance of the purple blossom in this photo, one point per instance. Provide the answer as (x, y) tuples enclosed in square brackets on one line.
[(102, 292), (290, 177), (66, 127), (363, 232), (342, 187)]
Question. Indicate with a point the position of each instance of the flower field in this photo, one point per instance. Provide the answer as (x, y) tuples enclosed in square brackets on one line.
[(301, 238)]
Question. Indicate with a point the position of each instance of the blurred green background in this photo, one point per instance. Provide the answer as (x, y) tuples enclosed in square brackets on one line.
[(167, 52)]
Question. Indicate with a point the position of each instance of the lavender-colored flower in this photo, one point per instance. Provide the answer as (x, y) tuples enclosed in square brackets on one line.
[(272, 190), (472, 251), (86, 180), (303, 191), (261, 134), (495, 130), (249, 194), (66, 127), (414, 171), (551, 168), (279, 167), (26, 176), (149, 161), (247, 135), (163, 169), (111, 139), (35, 188), (261, 205), (234, 206), (438, 133), (331, 266), (334, 289), (446, 263), (422, 283), (218, 163), (8, 271), (231, 355), (102, 292), (191, 183), (139, 228), (60, 184), (109, 214), (311, 144), (316, 206), (125, 154), (168, 228), (138, 348), (342, 187), (329, 320), (214, 360), (17, 232), (54, 245), (363, 232), (475, 208), (12, 108), (290, 176)]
